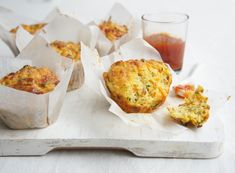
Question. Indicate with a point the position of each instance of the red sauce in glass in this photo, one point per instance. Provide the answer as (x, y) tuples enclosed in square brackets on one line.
[(170, 48)]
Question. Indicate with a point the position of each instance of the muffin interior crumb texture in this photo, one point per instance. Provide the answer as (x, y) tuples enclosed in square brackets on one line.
[(194, 111)]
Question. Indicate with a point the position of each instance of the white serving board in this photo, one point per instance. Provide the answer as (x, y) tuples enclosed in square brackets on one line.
[(85, 122)]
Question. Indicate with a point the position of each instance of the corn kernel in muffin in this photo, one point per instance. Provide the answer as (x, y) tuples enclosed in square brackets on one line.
[(31, 79), (138, 86)]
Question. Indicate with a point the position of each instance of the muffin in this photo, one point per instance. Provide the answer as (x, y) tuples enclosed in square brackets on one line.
[(31, 79), (32, 29), (194, 111), (73, 51), (113, 31), (138, 86)]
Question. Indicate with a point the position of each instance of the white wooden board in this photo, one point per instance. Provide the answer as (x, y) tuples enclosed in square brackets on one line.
[(85, 122)]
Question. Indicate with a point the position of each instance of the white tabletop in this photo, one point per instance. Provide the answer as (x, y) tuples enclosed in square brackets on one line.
[(211, 40)]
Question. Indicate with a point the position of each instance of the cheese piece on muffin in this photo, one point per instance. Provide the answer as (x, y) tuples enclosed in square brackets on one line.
[(138, 86), (31, 79), (194, 111), (32, 29), (112, 30)]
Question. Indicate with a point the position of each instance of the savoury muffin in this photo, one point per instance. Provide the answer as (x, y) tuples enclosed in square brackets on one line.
[(32, 29), (138, 86), (112, 30), (194, 111), (73, 51), (31, 79)]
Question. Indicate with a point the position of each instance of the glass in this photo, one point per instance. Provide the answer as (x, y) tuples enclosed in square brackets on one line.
[(167, 32)]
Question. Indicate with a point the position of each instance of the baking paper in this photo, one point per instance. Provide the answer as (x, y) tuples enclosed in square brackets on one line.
[(24, 110), (66, 28), (10, 20), (121, 16), (5, 51), (9, 39)]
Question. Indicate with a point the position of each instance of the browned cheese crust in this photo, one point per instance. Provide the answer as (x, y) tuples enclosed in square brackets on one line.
[(31, 79), (113, 31)]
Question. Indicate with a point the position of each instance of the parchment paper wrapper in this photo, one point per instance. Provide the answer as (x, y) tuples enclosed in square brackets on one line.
[(65, 28), (10, 20), (25, 110), (135, 49), (121, 16), (9, 39), (5, 51)]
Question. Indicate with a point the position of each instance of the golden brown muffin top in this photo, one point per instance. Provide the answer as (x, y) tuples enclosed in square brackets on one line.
[(67, 49), (31, 79), (32, 29), (138, 85), (112, 30), (194, 111)]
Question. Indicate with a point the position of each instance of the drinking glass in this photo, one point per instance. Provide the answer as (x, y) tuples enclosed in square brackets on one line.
[(167, 32)]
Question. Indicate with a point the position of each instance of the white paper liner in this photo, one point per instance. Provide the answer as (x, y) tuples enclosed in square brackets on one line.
[(23, 110), (65, 28), (121, 16), (5, 51), (23, 37), (136, 49), (9, 39), (10, 20), (77, 77)]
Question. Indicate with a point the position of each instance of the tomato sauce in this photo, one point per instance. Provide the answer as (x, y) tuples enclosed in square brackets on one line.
[(170, 48)]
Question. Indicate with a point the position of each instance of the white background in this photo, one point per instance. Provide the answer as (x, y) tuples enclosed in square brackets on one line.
[(211, 40)]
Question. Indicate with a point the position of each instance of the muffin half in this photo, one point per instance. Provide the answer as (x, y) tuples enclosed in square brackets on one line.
[(194, 111)]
